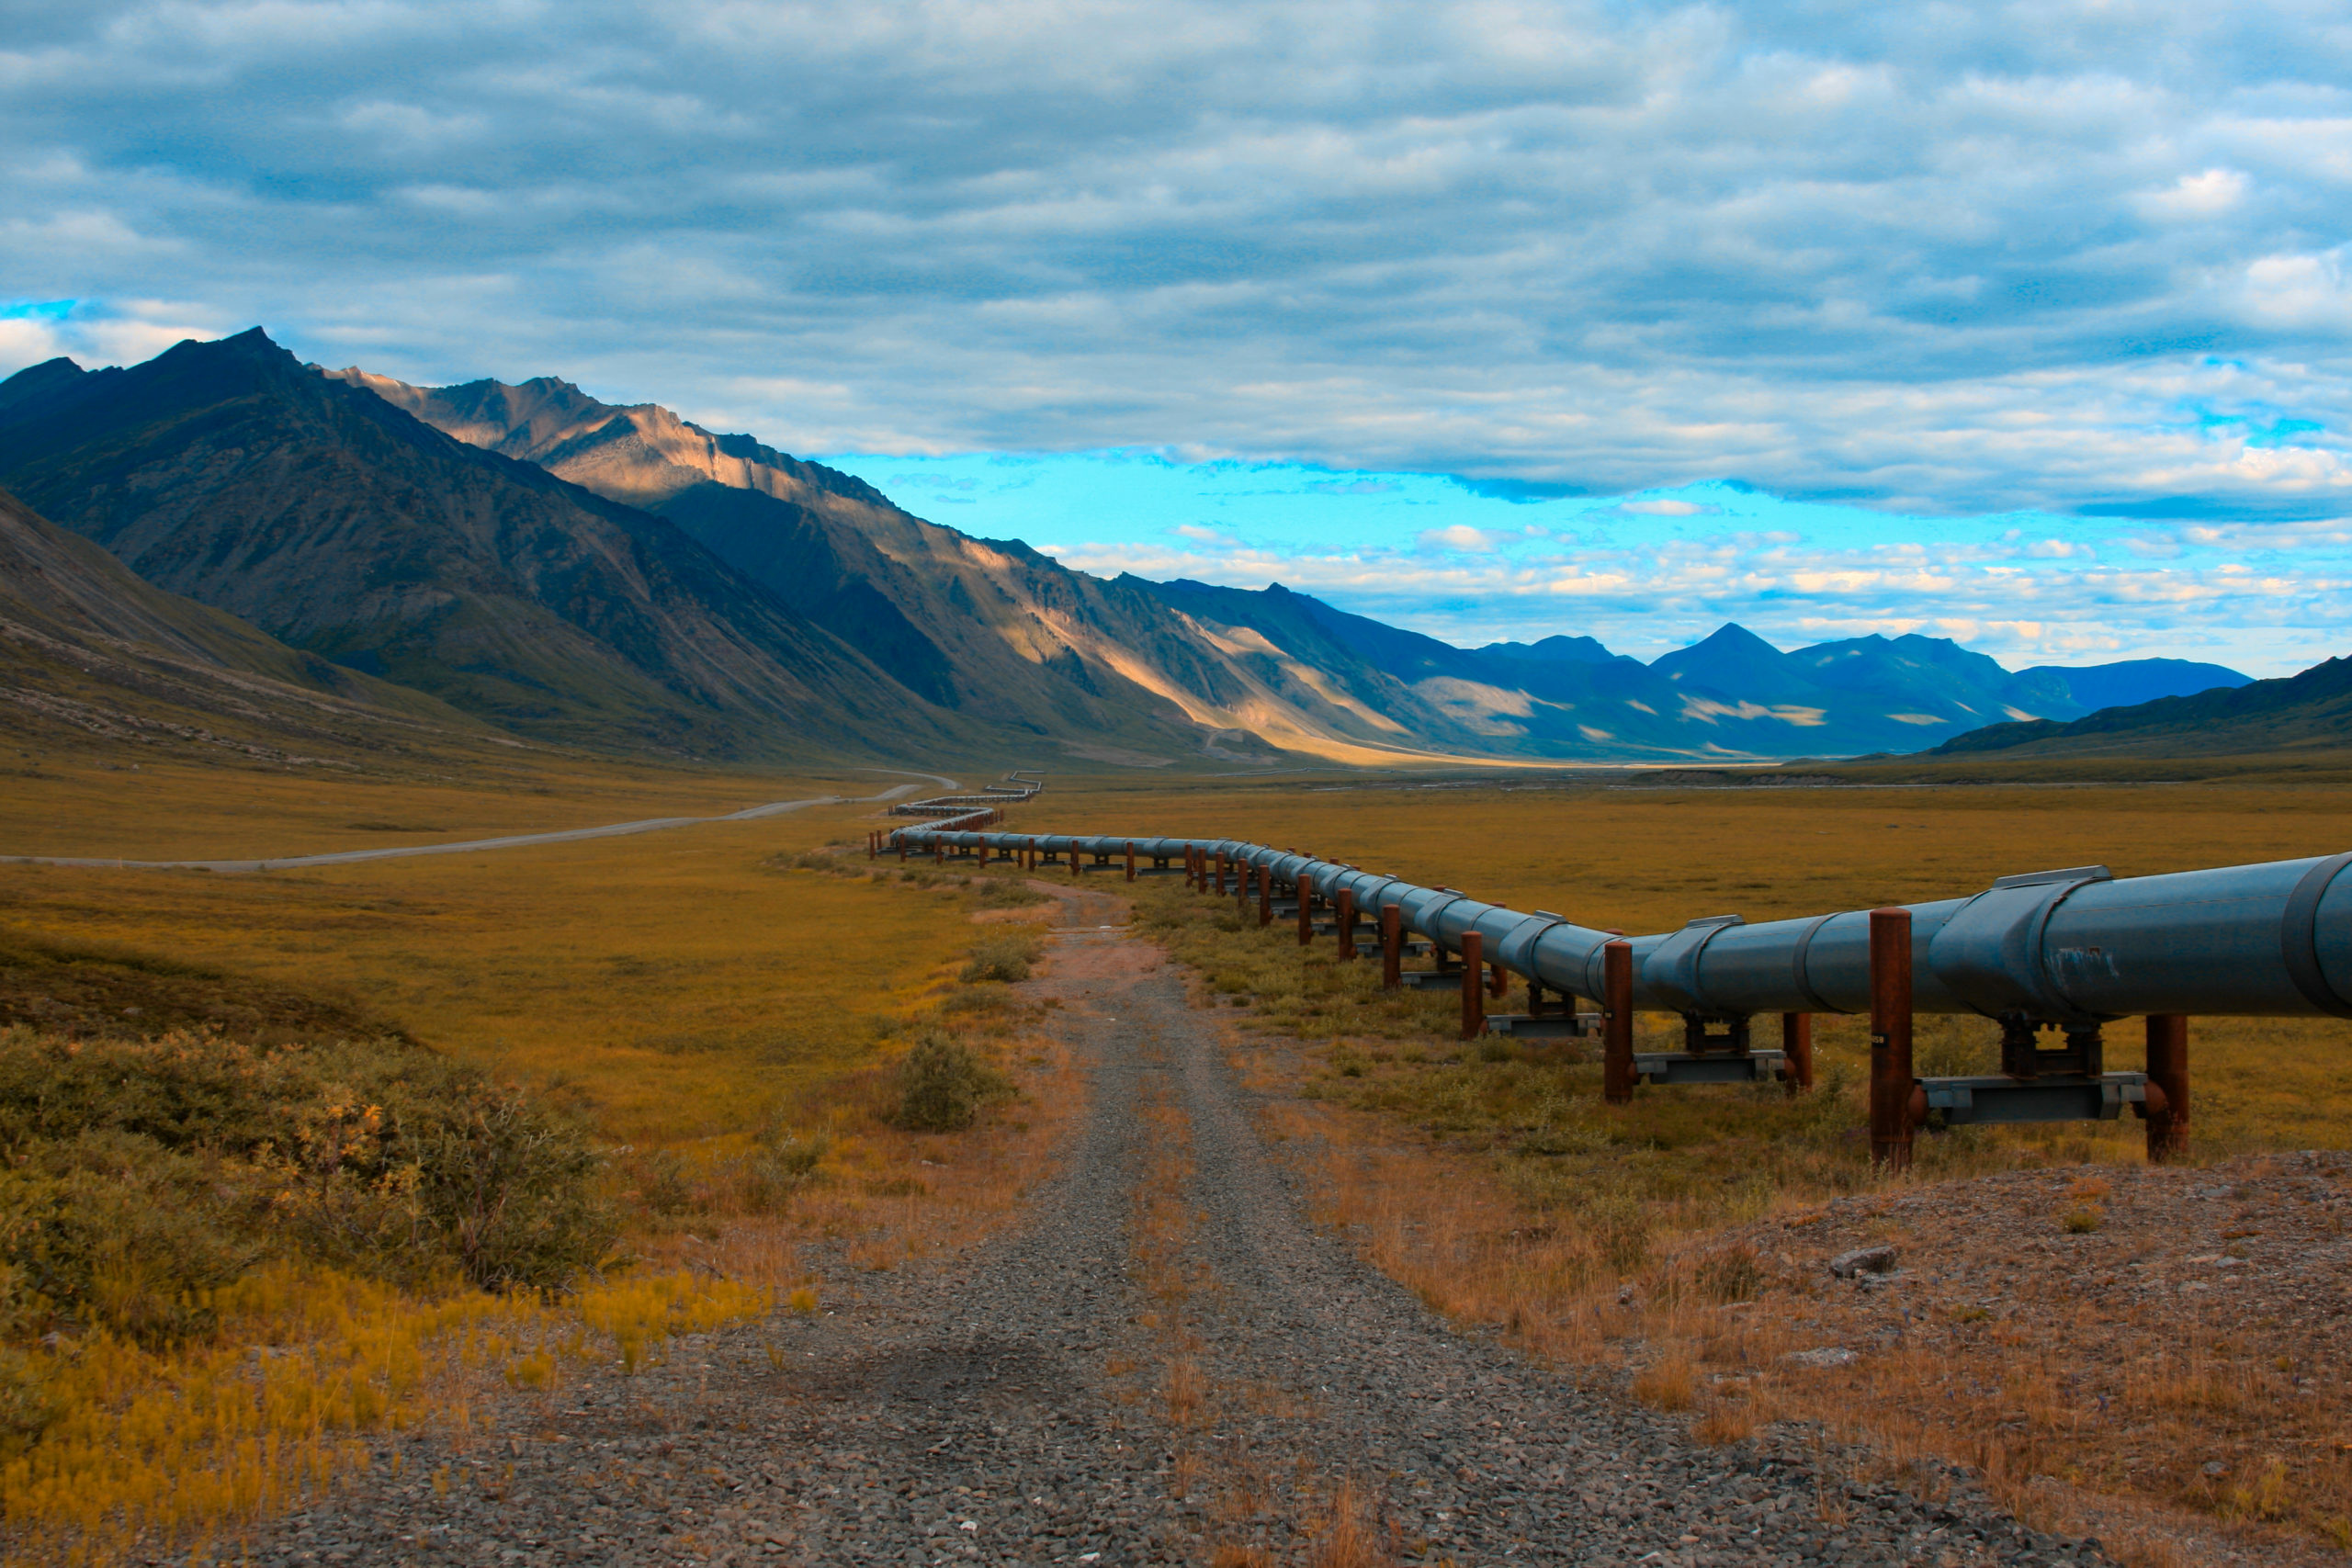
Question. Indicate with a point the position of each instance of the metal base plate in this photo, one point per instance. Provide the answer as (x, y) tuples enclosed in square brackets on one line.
[(1684, 1067), (2056, 1096), (1544, 1025), (1423, 980)]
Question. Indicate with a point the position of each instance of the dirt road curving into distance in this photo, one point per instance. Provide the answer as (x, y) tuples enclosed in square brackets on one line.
[(511, 841), (1165, 1364)]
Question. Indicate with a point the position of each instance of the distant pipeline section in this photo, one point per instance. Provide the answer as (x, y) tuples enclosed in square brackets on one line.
[(2064, 951), (2061, 948)]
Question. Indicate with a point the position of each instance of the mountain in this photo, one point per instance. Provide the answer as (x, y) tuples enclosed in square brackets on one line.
[(91, 653), (230, 474), (2135, 681), (2312, 710), (1568, 650), (988, 628)]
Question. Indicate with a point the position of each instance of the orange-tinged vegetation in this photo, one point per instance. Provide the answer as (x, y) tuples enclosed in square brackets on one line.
[(722, 1015)]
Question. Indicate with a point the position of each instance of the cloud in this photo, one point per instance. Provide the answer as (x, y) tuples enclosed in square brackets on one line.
[(1461, 538), (1931, 260)]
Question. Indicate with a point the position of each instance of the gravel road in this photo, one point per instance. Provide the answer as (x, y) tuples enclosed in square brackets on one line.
[(469, 846), (1166, 1363)]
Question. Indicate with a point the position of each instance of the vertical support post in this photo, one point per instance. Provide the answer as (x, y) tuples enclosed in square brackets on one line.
[(1305, 914), (1392, 947), (938, 852), (1131, 859), (1474, 997), (1347, 901), (902, 847), (1796, 1044), (1617, 1022), (2168, 1071), (1192, 869), (1891, 1076), (1497, 981), (1220, 873), (1265, 895), (1076, 871)]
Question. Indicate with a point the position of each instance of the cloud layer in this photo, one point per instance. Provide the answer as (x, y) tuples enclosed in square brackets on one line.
[(1943, 259)]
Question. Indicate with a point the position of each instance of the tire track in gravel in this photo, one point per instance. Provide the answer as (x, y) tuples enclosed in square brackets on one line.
[(1166, 1363)]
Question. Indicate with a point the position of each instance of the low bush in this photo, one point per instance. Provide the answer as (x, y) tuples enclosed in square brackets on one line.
[(1004, 956), (139, 1177), (942, 1083), (1003, 893)]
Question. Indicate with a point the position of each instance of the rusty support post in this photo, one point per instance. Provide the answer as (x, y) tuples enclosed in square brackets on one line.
[(1220, 873), (1617, 1022), (1497, 981), (1306, 915), (1075, 870), (1265, 895), (1892, 1080), (1474, 997), (2167, 1076), (1392, 947), (1796, 1044), (902, 847), (1131, 859), (1346, 902)]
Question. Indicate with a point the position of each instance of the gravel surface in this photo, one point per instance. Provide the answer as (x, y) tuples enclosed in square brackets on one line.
[(1165, 1364)]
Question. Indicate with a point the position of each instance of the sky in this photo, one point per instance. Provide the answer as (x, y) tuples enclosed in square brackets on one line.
[(2025, 324)]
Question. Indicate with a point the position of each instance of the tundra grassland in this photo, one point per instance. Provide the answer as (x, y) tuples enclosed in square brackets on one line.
[(723, 1070), (1657, 1242)]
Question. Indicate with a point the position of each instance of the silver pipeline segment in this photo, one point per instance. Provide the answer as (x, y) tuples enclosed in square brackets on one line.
[(2061, 947)]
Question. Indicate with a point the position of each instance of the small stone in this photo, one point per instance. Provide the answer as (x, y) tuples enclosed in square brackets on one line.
[(1864, 1261), (1827, 1356)]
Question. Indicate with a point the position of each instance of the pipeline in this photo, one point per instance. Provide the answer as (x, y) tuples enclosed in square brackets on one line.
[(2068, 948)]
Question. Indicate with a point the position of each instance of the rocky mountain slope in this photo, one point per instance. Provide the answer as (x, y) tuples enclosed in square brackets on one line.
[(621, 578), (230, 473), (91, 653), (987, 629), (2312, 711), (991, 630)]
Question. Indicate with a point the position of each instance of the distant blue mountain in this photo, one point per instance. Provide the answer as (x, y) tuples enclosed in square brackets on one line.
[(1552, 650), (2134, 681)]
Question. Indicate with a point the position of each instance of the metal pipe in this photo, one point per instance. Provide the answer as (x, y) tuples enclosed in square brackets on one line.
[(2076, 946), (1891, 1076)]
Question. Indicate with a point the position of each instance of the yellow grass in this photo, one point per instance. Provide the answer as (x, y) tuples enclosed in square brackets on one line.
[(1494, 1183), (690, 992)]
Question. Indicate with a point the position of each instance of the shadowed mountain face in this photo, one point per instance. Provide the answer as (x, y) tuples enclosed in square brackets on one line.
[(231, 474), (2312, 710), (2134, 681), (998, 632), (988, 628), (622, 578), (90, 652)]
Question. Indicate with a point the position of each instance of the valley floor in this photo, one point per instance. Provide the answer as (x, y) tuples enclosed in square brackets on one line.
[(1163, 1360)]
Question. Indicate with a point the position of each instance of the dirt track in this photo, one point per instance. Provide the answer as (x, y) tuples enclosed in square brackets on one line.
[(1165, 1364)]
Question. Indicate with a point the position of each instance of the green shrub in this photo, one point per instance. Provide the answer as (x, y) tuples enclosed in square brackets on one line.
[(1005, 956), (1003, 893), (942, 1083), (139, 1176)]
